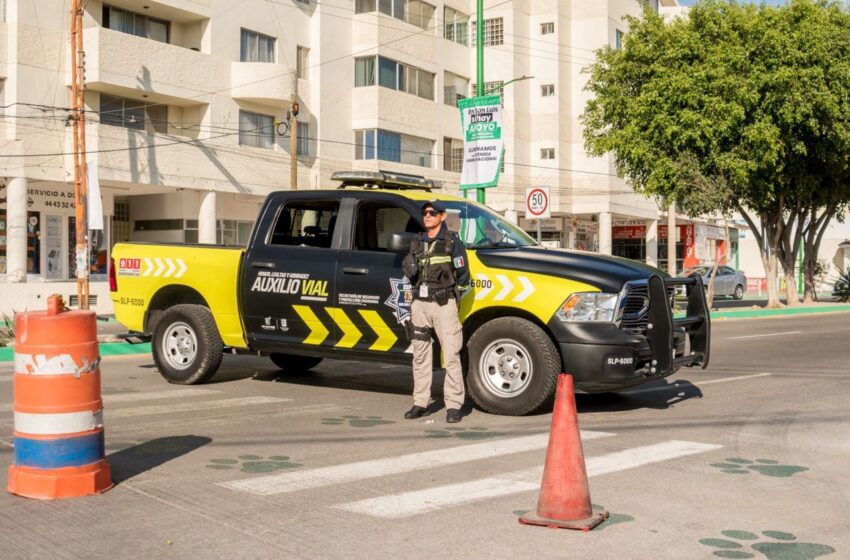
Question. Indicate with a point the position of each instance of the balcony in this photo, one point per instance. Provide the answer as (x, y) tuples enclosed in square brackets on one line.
[(261, 82), (117, 62)]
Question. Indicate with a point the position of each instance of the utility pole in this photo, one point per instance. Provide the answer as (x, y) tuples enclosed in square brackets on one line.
[(78, 104), (671, 239), (293, 141), (479, 58)]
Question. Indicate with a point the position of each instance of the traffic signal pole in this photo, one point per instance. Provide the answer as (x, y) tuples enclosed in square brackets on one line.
[(479, 57)]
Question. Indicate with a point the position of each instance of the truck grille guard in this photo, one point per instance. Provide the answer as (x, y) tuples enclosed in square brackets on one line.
[(661, 324)]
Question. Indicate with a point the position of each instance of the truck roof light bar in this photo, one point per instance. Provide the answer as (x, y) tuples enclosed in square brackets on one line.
[(383, 180)]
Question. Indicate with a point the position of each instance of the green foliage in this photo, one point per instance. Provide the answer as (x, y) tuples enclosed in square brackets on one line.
[(841, 290), (736, 106), (7, 330)]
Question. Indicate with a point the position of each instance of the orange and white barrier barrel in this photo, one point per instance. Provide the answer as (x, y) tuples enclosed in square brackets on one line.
[(59, 446)]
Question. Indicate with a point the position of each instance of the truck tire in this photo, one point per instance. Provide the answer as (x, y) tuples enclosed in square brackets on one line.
[(187, 348), (513, 366), (292, 363)]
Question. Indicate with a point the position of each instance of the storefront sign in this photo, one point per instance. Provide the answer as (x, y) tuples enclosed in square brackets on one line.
[(483, 145), (45, 199)]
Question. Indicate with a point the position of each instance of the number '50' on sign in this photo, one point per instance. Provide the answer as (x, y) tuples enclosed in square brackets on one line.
[(537, 202)]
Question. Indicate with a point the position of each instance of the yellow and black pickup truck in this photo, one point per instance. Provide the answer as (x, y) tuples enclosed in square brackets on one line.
[(322, 278)]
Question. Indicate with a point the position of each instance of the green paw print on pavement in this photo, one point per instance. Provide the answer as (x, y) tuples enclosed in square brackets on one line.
[(767, 467), (613, 518), (254, 463), (784, 549), (463, 433), (357, 421)]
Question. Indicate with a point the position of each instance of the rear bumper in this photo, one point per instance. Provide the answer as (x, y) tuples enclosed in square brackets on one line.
[(603, 357)]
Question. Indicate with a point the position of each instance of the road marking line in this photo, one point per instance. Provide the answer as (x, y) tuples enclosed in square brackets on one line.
[(697, 384), (190, 407), (763, 335), (338, 474), (152, 396), (408, 504)]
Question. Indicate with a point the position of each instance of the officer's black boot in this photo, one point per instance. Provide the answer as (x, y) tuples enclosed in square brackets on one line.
[(415, 412)]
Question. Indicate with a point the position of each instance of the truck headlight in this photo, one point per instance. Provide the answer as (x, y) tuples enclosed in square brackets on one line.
[(591, 306)]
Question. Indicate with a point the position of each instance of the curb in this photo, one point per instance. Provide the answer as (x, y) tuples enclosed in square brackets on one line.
[(106, 349), (784, 312)]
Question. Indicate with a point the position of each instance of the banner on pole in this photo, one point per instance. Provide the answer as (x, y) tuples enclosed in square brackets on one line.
[(94, 204), (483, 144)]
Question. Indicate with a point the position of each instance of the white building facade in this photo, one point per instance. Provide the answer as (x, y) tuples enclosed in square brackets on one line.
[(185, 100)]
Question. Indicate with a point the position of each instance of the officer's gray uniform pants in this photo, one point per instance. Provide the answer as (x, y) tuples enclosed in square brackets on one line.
[(443, 319)]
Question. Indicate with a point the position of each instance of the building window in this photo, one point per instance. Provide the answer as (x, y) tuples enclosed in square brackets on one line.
[(493, 32), (420, 13), (392, 146), (256, 130), (454, 88), (547, 90), (233, 233), (302, 64), (455, 26), (452, 154), (618, 40), (132, 23), (256, 47), (303, 139), (547, 28), (547, 153), (129, 113), (415, 12), (394, 75), (490, 88)]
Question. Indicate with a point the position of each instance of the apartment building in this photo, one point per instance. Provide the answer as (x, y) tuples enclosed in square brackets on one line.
[(185, 100)]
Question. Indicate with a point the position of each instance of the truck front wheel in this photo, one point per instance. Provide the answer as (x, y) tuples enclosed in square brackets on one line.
[(513, 366), (186, 347)]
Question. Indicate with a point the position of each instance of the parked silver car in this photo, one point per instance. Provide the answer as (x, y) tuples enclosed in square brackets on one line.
[(728, 282)]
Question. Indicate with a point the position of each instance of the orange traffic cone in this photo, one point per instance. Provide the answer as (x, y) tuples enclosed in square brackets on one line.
[(564, 496)]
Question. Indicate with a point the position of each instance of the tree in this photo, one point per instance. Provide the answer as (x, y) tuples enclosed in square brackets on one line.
[(752, 100)]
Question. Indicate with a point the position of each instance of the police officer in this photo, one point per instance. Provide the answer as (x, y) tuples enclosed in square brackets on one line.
[(437, 268)]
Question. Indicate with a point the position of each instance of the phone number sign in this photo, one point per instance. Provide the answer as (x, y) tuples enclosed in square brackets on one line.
[(537, 203)]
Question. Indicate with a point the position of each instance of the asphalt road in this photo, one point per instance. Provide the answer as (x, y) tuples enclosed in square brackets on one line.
[(748, 459)]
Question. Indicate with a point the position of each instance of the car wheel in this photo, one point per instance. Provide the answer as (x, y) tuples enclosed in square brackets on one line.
[(739, 292), (513, 366), (187, 348), (292, 363)]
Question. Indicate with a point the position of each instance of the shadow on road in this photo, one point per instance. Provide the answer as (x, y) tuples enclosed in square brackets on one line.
[(135, 460), (659, 395)]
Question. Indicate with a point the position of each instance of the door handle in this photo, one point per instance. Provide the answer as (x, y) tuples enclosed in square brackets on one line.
[(262, 264), (355, 270)]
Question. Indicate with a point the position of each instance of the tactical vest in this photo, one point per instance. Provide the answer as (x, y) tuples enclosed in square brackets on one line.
[(435, 263)]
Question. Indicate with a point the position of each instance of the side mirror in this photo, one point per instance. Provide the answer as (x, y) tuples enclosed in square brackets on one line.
[(400, 242)]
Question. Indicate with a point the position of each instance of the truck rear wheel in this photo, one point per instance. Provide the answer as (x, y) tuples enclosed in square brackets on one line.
[(513, 366), (290, 362), (187, 348)]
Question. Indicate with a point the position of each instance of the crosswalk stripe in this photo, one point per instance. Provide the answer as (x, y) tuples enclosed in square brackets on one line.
[(190, 407), (152, 396), (407, 504), (338, 474)]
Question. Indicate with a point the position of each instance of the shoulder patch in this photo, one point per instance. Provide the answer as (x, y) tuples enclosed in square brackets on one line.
[(459, 262)]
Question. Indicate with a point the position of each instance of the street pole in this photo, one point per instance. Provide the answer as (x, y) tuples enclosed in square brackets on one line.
[(671, 239), (293, 142), (479, 58), (78, 103)]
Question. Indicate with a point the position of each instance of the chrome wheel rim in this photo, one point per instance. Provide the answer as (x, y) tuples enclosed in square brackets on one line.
[(180, 345), (505, 368)]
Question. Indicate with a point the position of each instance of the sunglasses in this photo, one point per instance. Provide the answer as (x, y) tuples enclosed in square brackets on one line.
[(430, 212)]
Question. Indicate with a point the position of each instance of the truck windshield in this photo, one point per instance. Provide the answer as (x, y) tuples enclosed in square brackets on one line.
[(481, 228)]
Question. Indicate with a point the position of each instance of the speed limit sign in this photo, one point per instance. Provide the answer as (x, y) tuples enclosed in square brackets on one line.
[(537, 202)]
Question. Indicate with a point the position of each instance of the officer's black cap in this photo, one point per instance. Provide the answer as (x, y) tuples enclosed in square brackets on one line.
[(435, 204)]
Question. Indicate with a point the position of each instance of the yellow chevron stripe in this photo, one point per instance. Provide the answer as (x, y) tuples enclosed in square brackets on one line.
[(386, 338), (318, 331), (351, 334)]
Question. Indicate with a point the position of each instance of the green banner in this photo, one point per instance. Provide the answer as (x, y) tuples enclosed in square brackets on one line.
[(483, 146)]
